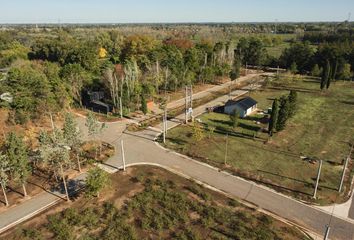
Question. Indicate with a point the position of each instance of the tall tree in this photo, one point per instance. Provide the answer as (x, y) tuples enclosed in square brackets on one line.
[(283, 113), (236, 68), (94, 128), (316, 71), (72, 136), (234, 117), (292, 102), (55, 155), (273, 121), (144, 108), (18, 158), (4, 174), (325, 75)]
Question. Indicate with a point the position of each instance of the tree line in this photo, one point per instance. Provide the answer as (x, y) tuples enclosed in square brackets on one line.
[(48, 74), (282, 109), (58, 150)]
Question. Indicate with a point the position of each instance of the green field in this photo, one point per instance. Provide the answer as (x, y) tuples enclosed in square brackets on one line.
[(150, 203), (322, 128)]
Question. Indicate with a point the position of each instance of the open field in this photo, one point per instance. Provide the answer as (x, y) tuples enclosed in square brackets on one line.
[(154, 204), (322, 128)]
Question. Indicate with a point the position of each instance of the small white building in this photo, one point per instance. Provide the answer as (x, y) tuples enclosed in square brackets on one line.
[(244, 106)]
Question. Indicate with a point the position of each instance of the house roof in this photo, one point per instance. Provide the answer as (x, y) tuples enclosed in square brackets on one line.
[(244, 103)]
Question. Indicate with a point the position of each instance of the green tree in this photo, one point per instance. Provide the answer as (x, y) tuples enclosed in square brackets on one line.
[(234, 118), (298, 53), (76, 77), (94, 128), (55, 154), (283, 113), (273, 117), (316, 71), (144, 108), (4, 174), (97, 179), (211, 130), (18, 158), (197, 132), (292, 102), (72, 136), (345, 72), (325, 75), (293, 68), (236, 69)]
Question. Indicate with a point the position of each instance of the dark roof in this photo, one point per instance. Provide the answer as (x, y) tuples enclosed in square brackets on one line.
[(100, 103), (244, 103)]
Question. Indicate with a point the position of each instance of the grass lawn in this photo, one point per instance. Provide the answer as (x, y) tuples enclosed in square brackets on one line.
[(150, 203), (276, 51), (322, 129)]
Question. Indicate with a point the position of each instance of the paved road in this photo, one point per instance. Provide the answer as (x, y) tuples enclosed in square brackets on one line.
[(215, 89), (141, 149), (138, 149)]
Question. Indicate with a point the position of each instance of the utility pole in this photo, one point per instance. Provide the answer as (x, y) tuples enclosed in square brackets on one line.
[(318, 179), (227, 138), (327, 232), (344, 169), (123, 156), (164, 125)]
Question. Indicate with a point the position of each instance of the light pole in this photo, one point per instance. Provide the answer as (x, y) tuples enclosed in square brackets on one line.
[(317, 180), (344, 169)]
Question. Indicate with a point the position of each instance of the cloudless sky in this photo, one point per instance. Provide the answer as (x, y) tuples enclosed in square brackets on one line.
[(135, 11)]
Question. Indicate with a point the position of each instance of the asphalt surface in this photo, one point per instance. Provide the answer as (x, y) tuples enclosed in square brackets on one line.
[(141, 149)]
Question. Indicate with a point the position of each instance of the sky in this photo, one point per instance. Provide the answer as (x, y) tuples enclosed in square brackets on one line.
[(151, 11)]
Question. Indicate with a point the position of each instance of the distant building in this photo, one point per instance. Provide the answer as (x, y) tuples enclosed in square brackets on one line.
[(95, 103), (244, 106)]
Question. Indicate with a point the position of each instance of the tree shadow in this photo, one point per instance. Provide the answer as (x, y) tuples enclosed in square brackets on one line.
[(177, 141), (281, 176), (15, 190), (224, 122), (249, 127), (347, 102)]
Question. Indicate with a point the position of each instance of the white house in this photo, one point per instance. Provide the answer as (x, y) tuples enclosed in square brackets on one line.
[(244, 106)]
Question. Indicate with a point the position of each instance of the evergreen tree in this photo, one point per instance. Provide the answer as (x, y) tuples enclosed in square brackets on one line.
[(236, 69), (292, 102), (325, 75), (144, 108), (283, 113), (18, 158), (234, 117), (293, 68), (4, 174), (273, 117), (316, 71)]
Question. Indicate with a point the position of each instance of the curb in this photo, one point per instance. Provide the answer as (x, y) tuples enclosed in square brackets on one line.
[(250, 182)]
